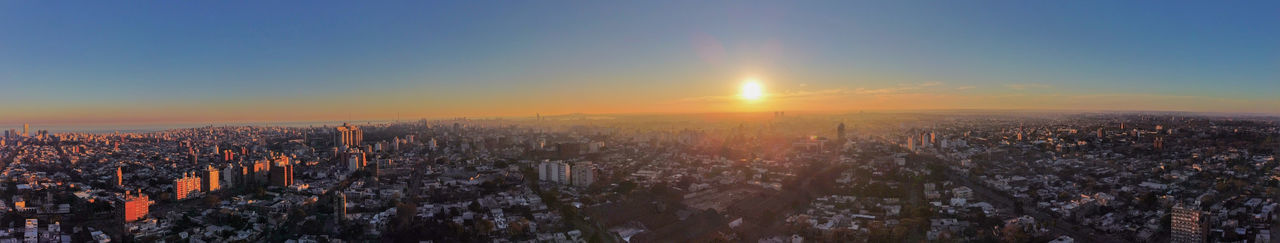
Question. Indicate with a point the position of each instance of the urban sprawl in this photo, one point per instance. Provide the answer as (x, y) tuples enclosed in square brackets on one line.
[(771, 177)]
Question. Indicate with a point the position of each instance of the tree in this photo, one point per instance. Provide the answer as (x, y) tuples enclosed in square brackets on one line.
[(625, 187), (483, 226), (1013, 233), (519, 227), (352, 231), (212, 200), (1148, 201), (475, 206), (297, 214)]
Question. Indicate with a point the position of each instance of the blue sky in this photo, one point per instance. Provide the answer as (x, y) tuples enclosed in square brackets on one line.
[(277, 60)]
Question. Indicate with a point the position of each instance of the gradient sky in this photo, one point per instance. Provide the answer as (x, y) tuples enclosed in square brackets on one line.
[(205, 61)]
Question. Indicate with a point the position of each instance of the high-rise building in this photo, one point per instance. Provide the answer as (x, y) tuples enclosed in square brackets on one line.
[(211, 179), (259, 172), (543, 172), (840, 133), (25, 128), (563, 173), (136, 206), (355, 159), (1188, 223), (911, 143), (583, 174), (185, 186), (555, 171), (231, 174), (228, 155), (339, 205), (119, 177), (347, 136), (282, 173)]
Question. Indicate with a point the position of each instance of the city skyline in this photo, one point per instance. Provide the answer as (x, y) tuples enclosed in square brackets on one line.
[(99, 63), (646, 121)]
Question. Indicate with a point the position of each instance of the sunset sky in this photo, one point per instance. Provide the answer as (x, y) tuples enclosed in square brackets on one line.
[(97, 62)]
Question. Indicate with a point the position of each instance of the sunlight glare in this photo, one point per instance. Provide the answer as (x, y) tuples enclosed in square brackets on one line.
[(752, 90)]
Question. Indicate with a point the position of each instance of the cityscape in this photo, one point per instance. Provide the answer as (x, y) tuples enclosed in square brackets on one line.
[(566, 121)]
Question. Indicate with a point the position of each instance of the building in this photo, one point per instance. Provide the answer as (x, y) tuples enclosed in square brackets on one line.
[(339, 205), (543, 174), (210, 181), (555, 171), (355, 159), (258, 172), (231, 175), (962, 192), (52, 233), (583, 174), (1188, 223), (228, 156), (119, 177), (185, 186), (569, 150), (840, 133), (20, 205), (25, 128), (911, 143), (282, 173), (347, 136), (136, 206), (32, 229)]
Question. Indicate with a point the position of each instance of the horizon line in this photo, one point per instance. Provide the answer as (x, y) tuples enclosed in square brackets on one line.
[(498, 117)]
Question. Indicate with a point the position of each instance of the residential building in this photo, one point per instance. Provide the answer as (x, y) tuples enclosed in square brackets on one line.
[(136, 206), (555, 171), (185, 186), (583, 174), (1188, 224), (347, 136), (210, 181)]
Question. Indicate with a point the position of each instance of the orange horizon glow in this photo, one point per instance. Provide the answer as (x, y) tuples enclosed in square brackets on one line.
[(791, 97)]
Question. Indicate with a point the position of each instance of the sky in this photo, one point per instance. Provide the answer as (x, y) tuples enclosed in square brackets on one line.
[(105, 62)]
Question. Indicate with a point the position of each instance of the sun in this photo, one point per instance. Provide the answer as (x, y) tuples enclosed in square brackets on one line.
[(751, 90)]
